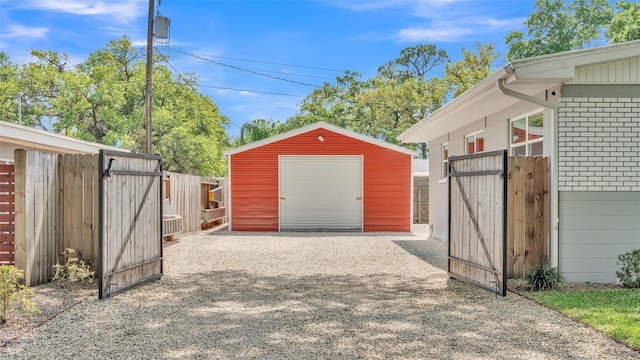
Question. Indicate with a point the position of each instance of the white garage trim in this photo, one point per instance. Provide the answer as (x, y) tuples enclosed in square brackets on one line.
[(319, 192)]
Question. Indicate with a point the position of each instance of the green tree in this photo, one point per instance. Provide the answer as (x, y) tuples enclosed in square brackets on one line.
[(473, 67), (625, 24), (559, 25), (102, 100), (405, 91), (9, 89), (258, 129), (333, 104)]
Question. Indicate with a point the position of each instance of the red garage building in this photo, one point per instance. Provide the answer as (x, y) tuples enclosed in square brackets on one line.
[(320, 177)]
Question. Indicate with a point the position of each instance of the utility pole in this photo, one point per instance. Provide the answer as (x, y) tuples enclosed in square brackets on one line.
[(20, 96), (148, 97)]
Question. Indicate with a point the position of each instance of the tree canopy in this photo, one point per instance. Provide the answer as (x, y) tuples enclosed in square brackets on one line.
[(102, 100), (625, 24)]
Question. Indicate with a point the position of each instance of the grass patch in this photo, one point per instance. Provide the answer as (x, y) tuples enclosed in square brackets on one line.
[(615, 312)]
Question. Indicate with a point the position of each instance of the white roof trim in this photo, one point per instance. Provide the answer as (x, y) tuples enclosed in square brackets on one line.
[(31, 138), (315, 126), (529, 75)]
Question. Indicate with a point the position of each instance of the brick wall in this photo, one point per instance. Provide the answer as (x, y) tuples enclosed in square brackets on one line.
[(599, 144)]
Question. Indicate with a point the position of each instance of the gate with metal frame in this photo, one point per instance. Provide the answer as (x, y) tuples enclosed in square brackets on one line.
[(130, 241), (477, 220)]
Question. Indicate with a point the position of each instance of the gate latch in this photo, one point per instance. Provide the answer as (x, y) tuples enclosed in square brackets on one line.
[(107, 172)]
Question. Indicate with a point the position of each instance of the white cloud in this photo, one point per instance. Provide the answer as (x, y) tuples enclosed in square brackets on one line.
[(449, 34), (20, 31), (367, 5), (119, 10)]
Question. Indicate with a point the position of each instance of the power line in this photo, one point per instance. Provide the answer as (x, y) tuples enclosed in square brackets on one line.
[(267, 62), (246, 70), (180, 75), (265, 71)]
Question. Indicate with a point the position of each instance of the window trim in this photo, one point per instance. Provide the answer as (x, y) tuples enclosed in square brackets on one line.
[(444, 163), (527, 142), (475, 139)]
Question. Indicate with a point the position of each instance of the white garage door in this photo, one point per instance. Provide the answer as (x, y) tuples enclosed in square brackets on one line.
[(320, 192)]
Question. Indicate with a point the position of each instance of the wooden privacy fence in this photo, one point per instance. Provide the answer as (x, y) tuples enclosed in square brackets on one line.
[(528, 215), (37, 214), (420, 199), (56, 209), (189, 197), (7, 215), (498, 221), (184, 194)]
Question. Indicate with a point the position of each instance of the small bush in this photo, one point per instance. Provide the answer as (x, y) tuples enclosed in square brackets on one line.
[(13, 295), (74, 269), (629, 273), (544, 277)]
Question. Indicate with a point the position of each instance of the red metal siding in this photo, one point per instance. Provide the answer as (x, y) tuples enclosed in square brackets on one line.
[(387, 181)]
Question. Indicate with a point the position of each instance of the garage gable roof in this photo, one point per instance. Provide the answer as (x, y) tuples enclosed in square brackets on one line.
[(530, 76), (320, 125)]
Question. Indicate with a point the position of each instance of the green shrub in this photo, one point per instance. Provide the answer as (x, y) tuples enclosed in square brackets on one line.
[(629, 273), (74, 269), (13, 295), (544, 277)]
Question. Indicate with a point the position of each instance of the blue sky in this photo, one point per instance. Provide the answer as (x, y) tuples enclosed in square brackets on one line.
[(307, 42)]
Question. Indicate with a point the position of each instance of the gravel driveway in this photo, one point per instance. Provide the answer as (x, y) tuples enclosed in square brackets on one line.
[(310, 295)]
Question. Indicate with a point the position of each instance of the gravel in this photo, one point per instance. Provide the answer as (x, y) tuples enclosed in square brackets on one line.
[(302, 296)]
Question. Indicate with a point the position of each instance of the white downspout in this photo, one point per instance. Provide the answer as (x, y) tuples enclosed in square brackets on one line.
[(554, 216)]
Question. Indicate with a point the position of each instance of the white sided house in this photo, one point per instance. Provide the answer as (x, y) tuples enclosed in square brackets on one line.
[(14, 136), (581, 109)]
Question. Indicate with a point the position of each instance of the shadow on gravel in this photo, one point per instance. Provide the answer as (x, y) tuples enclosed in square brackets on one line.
[(433, 252)]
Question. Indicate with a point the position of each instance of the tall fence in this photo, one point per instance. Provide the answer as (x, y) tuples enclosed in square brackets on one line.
[(528, 213), (78, 205), (37, 214), (7, 215), (420, 199), (188, 195), (184, 192), (482, 237), (57, 207)]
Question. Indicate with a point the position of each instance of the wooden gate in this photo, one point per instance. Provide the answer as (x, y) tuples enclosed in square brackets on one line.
[(477, 220), (130, 242), (7, 215)]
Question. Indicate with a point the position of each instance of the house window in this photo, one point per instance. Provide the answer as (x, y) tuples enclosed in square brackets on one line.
[(445, 160), (474, 143), (526, 135)]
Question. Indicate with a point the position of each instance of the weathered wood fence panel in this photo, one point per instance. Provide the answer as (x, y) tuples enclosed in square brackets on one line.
[(477, 215), (79, 205), (37, 187), (420, 199), (186, 194), (7, 215), (526, 220), (130, 249), (528, 215), (56, 209)]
